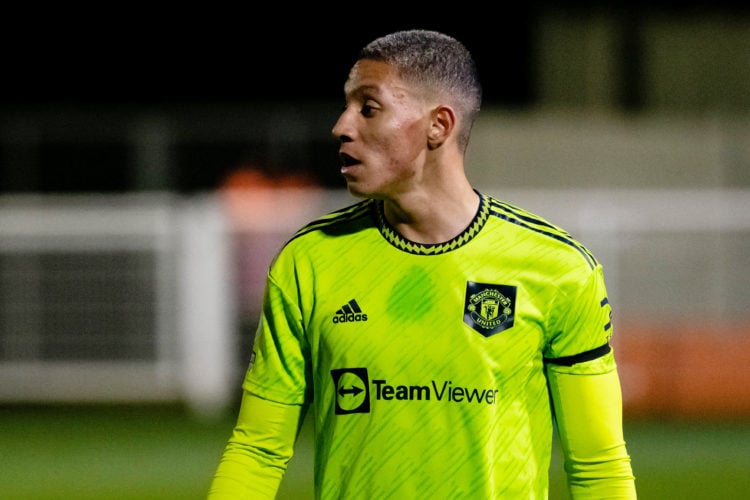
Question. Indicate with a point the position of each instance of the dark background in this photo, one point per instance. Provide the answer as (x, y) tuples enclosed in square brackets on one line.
[(80, 74), (141, 58), (139, 54), (75, 73)]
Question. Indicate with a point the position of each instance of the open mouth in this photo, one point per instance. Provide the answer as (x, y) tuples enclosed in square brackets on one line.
[(347, 161)]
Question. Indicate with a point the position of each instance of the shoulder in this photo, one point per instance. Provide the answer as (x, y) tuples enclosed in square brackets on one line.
[(540, 236), (332, 226), (337, 220)]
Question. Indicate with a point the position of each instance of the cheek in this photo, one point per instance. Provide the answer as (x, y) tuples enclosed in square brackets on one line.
[(407, 140), (395, 144)]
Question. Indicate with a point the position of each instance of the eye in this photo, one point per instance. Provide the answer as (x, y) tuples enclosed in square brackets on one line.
[(368, 109)]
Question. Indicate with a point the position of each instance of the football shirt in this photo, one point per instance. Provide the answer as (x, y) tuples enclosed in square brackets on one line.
[(427, 361)]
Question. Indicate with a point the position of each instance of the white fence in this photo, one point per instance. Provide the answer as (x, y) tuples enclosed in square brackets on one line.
[(139, 297), (115, 298)]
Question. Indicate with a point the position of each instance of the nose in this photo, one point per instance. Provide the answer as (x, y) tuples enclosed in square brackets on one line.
[(342, 128)]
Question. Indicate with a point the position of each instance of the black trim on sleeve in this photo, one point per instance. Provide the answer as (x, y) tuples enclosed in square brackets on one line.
[(581, 357)]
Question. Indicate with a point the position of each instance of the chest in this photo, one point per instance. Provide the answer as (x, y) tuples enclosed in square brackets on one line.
[(454, 313)]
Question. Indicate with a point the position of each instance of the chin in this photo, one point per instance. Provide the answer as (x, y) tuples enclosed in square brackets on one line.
[(357, 193), (358, 190)]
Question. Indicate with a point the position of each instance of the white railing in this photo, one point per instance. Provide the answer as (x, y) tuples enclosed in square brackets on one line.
[(114, 298)]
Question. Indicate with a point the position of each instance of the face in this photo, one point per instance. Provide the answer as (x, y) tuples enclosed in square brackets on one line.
[(383, 132)]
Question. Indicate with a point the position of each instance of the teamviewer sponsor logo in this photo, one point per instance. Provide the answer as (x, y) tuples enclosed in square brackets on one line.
[(349, 312), (352, 390)]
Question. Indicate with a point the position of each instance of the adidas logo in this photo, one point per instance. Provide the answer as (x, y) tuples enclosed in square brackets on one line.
[(349, 312)]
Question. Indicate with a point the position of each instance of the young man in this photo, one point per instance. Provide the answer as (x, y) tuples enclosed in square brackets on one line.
[(437, 333)]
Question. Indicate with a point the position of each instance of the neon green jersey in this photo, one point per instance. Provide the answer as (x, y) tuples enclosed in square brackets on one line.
[(427, 361)]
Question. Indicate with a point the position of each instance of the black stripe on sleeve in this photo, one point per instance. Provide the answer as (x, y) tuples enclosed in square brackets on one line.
[(580, 357)]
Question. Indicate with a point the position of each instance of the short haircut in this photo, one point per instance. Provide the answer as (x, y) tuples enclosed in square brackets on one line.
[(437, 61)]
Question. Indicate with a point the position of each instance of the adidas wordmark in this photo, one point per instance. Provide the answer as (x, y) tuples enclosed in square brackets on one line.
[(349, 312)]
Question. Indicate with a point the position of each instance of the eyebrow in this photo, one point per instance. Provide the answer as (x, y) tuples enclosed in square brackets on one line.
[(362, 89)]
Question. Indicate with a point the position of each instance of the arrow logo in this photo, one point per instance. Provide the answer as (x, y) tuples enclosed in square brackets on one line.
[(352, 389), (343, 391)]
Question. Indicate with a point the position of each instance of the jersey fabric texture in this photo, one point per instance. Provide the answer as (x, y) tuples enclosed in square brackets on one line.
[(428, 361)]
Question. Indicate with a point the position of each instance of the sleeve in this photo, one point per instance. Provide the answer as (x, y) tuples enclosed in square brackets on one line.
[(582, 318), (587, 402), (256, 456), (281, 368), (276, 394)]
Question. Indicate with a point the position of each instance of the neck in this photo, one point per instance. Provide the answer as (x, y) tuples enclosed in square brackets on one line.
[(433, 217)]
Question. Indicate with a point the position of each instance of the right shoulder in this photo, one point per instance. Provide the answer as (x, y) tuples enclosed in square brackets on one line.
[(334, 225)]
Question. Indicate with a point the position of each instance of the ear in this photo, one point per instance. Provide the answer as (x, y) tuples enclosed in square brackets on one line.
[(442, 125)]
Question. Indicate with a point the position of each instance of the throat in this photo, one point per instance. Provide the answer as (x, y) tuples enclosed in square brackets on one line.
[(435, 225)]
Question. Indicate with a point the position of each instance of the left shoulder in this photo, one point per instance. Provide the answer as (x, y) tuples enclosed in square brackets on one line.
[(542, 235)]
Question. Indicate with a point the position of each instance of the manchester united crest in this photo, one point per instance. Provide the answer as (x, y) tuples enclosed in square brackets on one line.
[(489, 308)]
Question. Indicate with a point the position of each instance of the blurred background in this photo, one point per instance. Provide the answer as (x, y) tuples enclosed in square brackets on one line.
[(153, 161)]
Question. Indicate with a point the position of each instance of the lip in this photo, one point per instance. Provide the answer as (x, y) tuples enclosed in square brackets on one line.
[(347, 159), (348, 162), (348, 171)]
